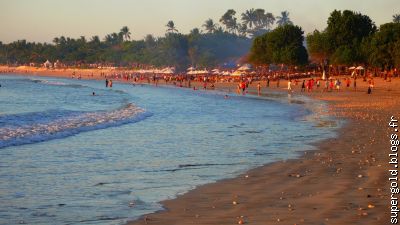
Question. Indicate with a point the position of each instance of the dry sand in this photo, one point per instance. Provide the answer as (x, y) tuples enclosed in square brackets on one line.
[(344, 182)]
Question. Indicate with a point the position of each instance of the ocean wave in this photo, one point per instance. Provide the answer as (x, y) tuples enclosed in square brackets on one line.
[(35, 127), (56, 83)]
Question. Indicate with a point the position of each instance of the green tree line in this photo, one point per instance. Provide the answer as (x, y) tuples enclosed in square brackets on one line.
[(350, 38), (216, 44)]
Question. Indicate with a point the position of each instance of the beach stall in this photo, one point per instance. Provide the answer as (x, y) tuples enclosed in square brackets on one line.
[(168, 70), (237, 73), (216, 72), (245, 68), (226, 73), (47, 64)]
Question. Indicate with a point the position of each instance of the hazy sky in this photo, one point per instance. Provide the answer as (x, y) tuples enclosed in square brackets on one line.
[(42, 20)]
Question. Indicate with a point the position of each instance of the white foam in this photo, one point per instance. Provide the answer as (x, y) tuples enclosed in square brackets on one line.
[(69, 125)]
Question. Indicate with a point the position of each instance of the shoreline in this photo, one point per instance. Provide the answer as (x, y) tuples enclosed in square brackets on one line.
[(344, 181)]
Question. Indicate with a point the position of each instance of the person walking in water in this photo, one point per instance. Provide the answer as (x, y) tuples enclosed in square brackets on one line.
[(110, 84), (106, 82), (303, 86)]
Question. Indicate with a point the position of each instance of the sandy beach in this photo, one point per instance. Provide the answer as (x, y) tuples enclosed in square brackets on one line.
[(345, 181)]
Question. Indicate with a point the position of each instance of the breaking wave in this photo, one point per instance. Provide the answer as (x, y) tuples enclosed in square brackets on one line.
[(27, 128)]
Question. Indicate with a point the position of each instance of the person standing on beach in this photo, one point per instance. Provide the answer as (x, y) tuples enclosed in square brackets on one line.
[(268, 79), (243, 85), (337, 84), (259, 88), (289, 86), (238, 88), (277, 83), (326, 88), (303, 86), (331, 85)]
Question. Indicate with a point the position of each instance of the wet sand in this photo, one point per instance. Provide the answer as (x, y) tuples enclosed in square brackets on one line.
[(345, 181)]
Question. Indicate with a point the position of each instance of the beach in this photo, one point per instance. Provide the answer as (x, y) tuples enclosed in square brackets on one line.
[(344, 181)]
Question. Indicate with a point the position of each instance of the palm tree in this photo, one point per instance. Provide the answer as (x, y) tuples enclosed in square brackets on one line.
[(125, 33), (210, 26), (95, 39), (195, 31), (242, 30), (283, 19), (260, 15), (229, 20), (268, 20), (56, 40), (113, 38), (150, 41), (171, 27), (396, 18), (249, 18)]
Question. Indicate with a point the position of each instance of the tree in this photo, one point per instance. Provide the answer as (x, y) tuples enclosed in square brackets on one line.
[(150, 40), (396, 18), (249, 18), (125, 33), (257, 21), (346, 30), (282, 45), (268, 20), (56, 40), (229, 20), (95, 39), (318, 45), (242, 30), (383, 46), (210, 26), (171, 27), (258, 51), (283, 19), (113, 38)]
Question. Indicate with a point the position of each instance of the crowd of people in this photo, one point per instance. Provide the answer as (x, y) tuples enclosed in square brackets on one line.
[(306, 83)]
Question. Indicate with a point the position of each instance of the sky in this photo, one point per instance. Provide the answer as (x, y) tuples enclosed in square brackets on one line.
[(42, 20)]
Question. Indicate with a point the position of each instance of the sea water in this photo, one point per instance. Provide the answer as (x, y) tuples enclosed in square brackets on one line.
[(70, 157)]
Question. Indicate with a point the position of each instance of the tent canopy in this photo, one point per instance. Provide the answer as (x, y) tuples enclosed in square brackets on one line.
[(245, 67), (359, 68)]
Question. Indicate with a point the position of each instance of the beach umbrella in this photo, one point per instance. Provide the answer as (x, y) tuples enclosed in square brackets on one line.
[(190, 68), (351, 68)]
